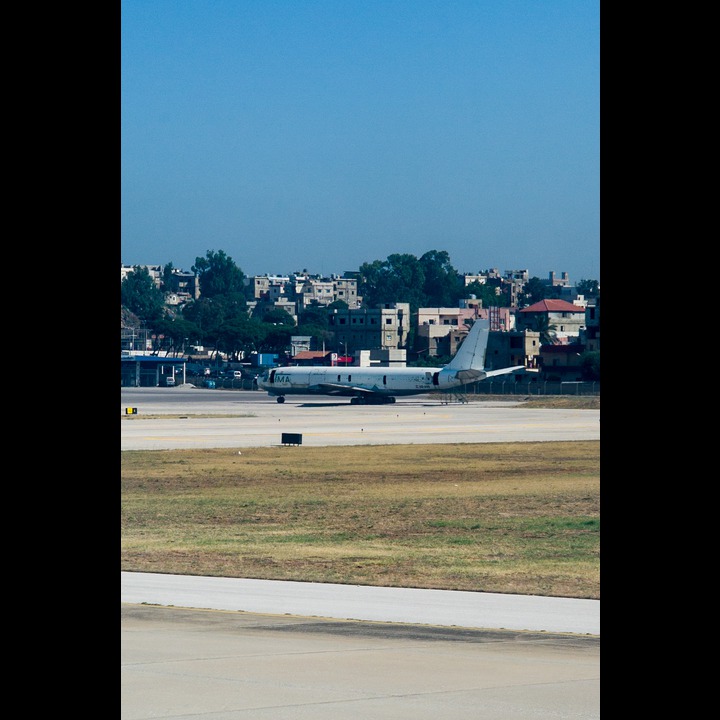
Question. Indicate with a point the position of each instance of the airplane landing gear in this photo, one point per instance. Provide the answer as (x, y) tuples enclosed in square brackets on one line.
[(372, 400), (281, 398)]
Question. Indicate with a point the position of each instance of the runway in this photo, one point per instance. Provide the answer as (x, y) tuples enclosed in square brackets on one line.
[(199, 418)]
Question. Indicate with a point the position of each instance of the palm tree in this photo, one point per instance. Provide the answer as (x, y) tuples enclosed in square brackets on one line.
[(541, 324)]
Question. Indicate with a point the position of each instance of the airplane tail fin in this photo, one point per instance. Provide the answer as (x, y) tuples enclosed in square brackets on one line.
[(471, 355)]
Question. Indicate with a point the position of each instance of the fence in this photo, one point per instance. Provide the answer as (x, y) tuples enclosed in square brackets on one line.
[(224, 383), (536, 387)]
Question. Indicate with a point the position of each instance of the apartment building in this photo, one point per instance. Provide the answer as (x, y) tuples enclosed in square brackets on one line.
[(439, 331), (384, 327), (568, 319)]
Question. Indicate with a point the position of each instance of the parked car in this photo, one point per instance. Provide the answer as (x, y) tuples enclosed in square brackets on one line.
[(167, 381)]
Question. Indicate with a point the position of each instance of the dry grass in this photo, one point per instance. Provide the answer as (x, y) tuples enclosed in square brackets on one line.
[(514, 518), (564, 402)]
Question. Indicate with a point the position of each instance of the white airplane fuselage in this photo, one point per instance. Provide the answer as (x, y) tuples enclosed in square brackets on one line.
[(356, 381), (384, 384)]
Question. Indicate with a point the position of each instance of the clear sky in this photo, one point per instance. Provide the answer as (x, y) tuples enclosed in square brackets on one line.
[(322, 134)]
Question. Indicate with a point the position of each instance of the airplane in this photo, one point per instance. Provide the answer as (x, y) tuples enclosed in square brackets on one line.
[(381, 385)]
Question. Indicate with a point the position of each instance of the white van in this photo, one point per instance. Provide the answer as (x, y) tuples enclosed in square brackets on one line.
[(237, 374)]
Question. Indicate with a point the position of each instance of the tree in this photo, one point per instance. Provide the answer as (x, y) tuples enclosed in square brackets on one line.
[(278, 316), (168, 284), (313, 321), (219, 275), (541, 324), (588, 288), (534, 290), (400, 278), (487, 294), (207, 314), (241, 335), (442, 285), (590, 362), (277, 339), (139, 294), (176, 334), (314, 315)]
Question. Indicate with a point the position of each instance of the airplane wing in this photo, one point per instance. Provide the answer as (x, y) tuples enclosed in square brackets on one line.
[(503, 371), (337, 389)]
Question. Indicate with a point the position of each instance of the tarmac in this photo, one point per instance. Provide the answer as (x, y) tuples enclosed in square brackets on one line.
[(293, 655)]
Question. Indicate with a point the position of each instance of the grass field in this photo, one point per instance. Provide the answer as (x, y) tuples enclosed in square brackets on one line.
[(519, 518)]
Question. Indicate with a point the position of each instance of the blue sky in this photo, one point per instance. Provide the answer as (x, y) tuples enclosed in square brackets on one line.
[(322, 134)]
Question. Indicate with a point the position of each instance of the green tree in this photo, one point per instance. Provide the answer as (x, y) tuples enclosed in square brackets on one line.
[(207, 314), (590, 362), (168, 282), (277, 339), (400, 278), (442, 285), (314, 315), (588, 288), (240, 334), (369, 279), (278, 316), (219, 275), (487, 294), (533, 291), (314, 322), (541, 324), (139, 294), (174, 335)]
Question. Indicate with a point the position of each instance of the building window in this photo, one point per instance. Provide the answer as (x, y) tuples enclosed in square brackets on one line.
[(388, 321)]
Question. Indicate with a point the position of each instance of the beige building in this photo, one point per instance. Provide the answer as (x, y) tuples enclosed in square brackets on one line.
[(567, 318), (440, 330), (508, 349), (384, 327)]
